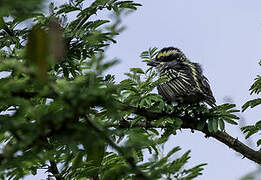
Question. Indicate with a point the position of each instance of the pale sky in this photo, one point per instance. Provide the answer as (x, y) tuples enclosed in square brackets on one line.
[(224, 36)]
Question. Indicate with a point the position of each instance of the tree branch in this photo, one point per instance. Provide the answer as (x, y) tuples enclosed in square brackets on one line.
[(189, 123), (238, 146), (54, 170)]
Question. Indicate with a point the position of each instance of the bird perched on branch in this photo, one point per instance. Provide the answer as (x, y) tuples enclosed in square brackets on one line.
[(185, 81)]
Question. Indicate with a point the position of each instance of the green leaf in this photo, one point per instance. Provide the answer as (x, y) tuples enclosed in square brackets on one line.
[(135, 120), (210, 125), (174, 150), (251, 131), (127, 84), (221, 124), (177, 123), (66, 8), (34, 170), (147, 56), (230, 121), (20, 9), (258, 124), (115, 172), (201, 125), (137, 70), (252, 103), (226, 106), (256, 87), (215, 125), (232, 116), (258, 142), (2, 23), (154, 131), (77, 160)]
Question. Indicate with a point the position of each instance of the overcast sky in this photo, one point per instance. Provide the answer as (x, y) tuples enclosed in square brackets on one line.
[(224, 36)]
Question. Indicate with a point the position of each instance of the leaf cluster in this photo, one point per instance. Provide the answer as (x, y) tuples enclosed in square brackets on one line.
[(61, 113), (253, 129)]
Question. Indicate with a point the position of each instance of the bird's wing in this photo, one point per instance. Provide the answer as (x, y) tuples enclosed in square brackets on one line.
[(185, 79), (203, 85), (180, 82), (207, 92)]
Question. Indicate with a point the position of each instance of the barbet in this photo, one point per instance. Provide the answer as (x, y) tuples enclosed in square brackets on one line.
[(185, 80)]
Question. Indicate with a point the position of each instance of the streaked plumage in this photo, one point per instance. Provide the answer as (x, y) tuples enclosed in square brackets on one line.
[(185, 83)]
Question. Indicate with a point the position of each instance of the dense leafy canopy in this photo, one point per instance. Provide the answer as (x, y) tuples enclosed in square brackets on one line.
[(60, 109)]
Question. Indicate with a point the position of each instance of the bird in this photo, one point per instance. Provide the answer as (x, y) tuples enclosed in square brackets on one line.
[(185, 82)]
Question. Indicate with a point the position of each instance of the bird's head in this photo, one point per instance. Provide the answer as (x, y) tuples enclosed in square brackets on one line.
[(167, 55)]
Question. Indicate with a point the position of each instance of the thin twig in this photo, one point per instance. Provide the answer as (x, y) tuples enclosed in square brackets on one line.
[(82, 21), (129, 159), (78, 26), (54, 170)]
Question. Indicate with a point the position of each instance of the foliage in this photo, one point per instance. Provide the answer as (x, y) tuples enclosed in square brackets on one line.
[(60, 109), (256, 128)]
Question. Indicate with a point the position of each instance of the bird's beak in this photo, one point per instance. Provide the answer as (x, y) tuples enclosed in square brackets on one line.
[(153, 63)]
